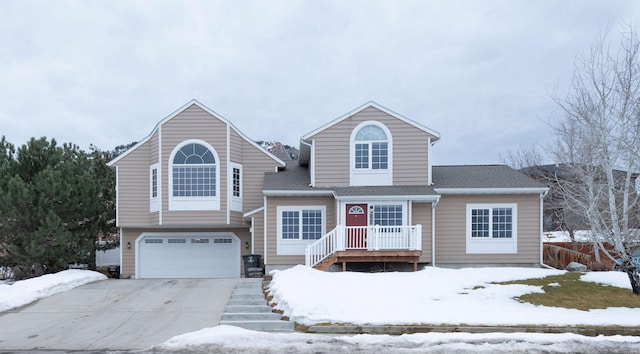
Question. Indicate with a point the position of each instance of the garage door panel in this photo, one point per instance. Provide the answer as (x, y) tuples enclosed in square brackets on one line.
[(193, 256)]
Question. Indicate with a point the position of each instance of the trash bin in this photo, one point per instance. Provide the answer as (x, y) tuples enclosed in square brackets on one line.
[(252, 267)]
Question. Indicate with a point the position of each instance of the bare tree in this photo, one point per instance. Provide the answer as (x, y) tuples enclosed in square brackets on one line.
[(598, 137)]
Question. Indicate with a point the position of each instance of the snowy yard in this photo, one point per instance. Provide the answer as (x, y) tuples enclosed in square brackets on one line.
[(430, 296)]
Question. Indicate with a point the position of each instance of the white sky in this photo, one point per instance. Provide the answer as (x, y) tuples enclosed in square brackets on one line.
[(479, 72)]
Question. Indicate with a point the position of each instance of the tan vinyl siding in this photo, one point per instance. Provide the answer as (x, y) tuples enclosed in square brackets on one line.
[(258, 233), (272, 233), (235, 143), (133, 188), (255, 162), (332, 147), (421, 214), (194, 123), (131, 234), (451, 230)]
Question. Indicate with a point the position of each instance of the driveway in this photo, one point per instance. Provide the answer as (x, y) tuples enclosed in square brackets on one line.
[(116, 314)]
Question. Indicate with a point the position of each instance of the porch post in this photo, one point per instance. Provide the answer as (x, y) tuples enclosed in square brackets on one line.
[(341, 246)]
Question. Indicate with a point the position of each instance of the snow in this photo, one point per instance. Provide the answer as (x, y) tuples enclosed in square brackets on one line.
[(26, 291), (618, 279), (563, 236), (431, 296), (226, 339)]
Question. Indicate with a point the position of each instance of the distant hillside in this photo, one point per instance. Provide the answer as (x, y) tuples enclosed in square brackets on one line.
[(283, 152)]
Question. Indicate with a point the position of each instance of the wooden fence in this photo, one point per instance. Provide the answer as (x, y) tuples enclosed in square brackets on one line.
[(560, 254)]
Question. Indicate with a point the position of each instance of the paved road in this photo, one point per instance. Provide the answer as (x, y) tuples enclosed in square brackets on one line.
[(116, 315)]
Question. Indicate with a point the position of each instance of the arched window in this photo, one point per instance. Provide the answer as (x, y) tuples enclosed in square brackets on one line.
[(371, 148), (194, 177), (371, 155)]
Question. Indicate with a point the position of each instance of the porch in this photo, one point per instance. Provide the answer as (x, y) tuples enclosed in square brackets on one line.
[(366, 244)]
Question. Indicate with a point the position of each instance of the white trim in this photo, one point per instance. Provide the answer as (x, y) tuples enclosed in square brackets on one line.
[(229, 187), (154, 202), (298, 246), (117, 196), (251, 212), (194, 203), (433, 233), (369, 176), (491, 245), (160, 184), (312, 164), (235, 203), (284, 193), (121, 248), (208, 110), (253, 237), (429, 163), (422, 198), (379, 107), (264, 232), (490, 190)]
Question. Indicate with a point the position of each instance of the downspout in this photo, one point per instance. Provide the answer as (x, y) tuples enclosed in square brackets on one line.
[(228, 174), (264, 233), (542, 195), (253, 231), (160, 174), (433, 231)]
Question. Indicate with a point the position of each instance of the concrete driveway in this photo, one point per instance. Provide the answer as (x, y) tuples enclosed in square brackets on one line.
[(116, 315)]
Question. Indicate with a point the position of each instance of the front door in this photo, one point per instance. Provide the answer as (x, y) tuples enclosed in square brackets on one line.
[(356, 223)]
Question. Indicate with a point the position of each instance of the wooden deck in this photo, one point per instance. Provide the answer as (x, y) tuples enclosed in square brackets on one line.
[(362, 256)]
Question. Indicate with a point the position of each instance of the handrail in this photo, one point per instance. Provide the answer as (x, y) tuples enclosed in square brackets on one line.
[(370, 238)]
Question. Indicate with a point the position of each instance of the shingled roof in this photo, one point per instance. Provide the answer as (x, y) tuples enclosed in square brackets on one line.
[(481, 176), (295, 179)]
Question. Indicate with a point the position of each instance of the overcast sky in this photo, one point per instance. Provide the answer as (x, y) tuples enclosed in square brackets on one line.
[(479, 72)]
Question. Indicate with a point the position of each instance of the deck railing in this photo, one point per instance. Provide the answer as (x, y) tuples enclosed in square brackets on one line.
[(369, 238)]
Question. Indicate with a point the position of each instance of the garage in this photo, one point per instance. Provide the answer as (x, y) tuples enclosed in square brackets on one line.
[(188, 255)]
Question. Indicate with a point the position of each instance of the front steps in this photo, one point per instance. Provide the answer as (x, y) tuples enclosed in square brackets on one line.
[(248, 308)]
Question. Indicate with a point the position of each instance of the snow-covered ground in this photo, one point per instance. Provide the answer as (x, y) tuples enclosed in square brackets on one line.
[(226, 339), (26, 291), (432, 296), (563, 236)]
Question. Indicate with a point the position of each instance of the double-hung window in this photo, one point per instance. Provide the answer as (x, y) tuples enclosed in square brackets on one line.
[(194, 177), (299, 226), (491, 228), (371, 155), (154, 198)]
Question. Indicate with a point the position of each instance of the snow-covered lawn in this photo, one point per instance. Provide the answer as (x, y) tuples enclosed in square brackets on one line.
[(26, 291), (226, 339), (432, 296)]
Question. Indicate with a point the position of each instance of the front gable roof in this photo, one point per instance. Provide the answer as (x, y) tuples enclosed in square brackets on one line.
[(305, 149), (206, 109)]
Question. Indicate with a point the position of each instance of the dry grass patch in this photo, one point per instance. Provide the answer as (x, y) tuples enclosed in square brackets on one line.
[(572, 293)]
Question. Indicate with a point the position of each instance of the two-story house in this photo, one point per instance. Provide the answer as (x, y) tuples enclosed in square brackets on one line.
[(196, 194)]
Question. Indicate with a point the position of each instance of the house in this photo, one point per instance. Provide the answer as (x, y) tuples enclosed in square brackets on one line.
[(197, 194)]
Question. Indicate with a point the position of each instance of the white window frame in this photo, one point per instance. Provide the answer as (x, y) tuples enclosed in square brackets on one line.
[(194, 203), (154, 202), (372, 206), (492, 245), (369, 176), (235, 202), (298, 246)]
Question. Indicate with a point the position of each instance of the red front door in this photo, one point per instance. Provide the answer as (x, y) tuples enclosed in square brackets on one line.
[(357, 216)]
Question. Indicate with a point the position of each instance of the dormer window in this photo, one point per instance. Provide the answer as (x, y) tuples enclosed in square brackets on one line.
[(194, 177), (371, 155)]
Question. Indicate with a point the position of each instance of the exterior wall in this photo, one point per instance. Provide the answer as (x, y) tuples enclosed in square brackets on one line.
[(128, 267), (421, 214), (133, 188), (273, 259), (332, 146), (194, 123), (258, 234), (451, 230)]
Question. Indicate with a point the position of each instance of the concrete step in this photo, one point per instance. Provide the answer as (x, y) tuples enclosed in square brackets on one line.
[(257, 297), (250, 284), (264, 316), (248, 309), (264, 326), (247, 302), (248, 291)]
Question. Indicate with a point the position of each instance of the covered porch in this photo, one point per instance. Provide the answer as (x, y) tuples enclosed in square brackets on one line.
[(366, 244)]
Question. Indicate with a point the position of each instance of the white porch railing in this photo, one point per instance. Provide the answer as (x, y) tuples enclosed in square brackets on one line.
[(369, 238)]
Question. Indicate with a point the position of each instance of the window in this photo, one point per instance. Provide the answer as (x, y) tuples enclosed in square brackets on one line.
[(386, 215), (194, 177), (491, 228), (154, 198), (371, 155), (299, 226), (236, 187)]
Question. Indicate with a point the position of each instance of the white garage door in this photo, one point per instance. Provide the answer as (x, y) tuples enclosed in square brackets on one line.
[(188, 256)]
